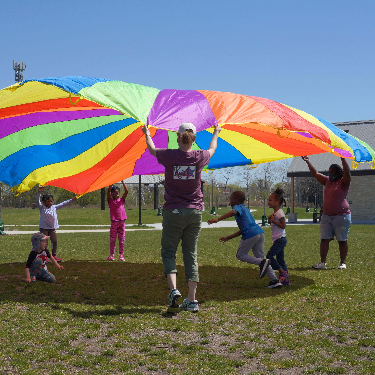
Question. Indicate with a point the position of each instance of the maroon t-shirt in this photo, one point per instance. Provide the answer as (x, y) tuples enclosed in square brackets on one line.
[(183, 177), (334, 202)]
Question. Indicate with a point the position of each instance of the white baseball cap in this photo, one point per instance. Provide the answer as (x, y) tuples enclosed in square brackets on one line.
[(187, 126)]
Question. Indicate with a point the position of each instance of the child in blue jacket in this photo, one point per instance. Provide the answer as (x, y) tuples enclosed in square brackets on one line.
[(252, 237)]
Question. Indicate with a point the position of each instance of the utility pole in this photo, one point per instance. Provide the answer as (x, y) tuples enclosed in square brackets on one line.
[(18, 70)]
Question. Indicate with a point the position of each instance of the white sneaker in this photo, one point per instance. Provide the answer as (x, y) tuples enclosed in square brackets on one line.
[(342, 266), (320, 266)]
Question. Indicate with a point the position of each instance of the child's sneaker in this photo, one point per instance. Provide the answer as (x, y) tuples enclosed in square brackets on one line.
[(284, 278), (320, 266), (173, 297), (33, 278), (274, 284), (121, 258), (342, 266), (263, 266), (111, 257), (189, 306), (57, 259)]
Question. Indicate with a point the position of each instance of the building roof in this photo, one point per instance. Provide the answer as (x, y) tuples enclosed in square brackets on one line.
[(364, 130)]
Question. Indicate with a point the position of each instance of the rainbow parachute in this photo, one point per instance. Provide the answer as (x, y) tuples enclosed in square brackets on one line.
[(82, 133)]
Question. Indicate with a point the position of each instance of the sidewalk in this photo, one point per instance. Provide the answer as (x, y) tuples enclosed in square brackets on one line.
[(158, 226), (130, 227)]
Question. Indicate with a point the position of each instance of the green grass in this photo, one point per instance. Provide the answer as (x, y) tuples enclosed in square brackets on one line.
[(109, 317)]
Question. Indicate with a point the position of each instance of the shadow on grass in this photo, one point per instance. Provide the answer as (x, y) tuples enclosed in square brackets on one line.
[(128, 288)]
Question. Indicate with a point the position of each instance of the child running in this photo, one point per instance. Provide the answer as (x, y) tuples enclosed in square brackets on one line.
[(36, 268), (118, 217), (48, 222), (252, 237), (278, 224)]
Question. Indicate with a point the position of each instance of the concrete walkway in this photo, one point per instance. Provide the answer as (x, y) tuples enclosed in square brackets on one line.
[(155, 226), (129, 227)]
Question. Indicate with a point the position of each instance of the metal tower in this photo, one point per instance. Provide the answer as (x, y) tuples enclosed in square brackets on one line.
[(18, 68)]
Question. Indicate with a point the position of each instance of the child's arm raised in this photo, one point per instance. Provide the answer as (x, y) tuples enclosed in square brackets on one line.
[(37, 199), (223, 217), (125, 192), (227, 238)]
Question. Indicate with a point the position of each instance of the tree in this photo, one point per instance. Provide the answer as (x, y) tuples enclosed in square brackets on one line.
[(309, 190), (226, 174), (246, 173)]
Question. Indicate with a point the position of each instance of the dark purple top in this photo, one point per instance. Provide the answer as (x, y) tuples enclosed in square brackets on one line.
[(183, 177)]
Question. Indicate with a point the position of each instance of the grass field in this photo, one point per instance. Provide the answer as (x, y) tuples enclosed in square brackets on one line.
[(109, 317)]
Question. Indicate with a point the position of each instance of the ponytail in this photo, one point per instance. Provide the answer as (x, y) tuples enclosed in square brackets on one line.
[(279, 195)]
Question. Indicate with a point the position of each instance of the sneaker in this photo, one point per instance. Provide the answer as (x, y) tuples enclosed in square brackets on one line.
[(189, 306), (263, 266), (320, 266), (57, 259), (173, 297), (33, 278), (342, 266), (111, 257), (284, 278), (121, 258), (274, 284)]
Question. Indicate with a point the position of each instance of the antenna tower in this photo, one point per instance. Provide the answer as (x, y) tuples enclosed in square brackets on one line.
[(18, 69)]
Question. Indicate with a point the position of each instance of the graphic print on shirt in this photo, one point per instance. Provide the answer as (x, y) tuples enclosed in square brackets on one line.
[(44, 258), (183, 172)]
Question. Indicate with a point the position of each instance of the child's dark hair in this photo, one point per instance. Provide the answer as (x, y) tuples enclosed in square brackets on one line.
[(46, 197), (115, 188), (239, 195), (279, 195)]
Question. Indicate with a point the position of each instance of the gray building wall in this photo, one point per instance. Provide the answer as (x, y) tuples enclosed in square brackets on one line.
[(361, 198)]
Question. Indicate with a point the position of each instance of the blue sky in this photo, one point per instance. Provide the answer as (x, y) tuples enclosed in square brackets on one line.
[(317, 56)]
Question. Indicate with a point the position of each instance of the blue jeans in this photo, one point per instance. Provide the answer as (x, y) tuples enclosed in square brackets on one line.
[(40, 273), (277, 249)]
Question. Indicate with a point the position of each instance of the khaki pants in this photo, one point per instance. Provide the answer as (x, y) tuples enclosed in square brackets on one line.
[(181, 224)]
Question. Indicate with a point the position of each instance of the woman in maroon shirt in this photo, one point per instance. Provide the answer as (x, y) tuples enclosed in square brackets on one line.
[(336, 218)]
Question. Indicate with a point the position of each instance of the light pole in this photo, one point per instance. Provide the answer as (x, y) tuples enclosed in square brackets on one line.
[(264, 217), (213, 212)]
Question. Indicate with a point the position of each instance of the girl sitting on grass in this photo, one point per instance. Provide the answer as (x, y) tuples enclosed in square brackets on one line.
[(36, 268)]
